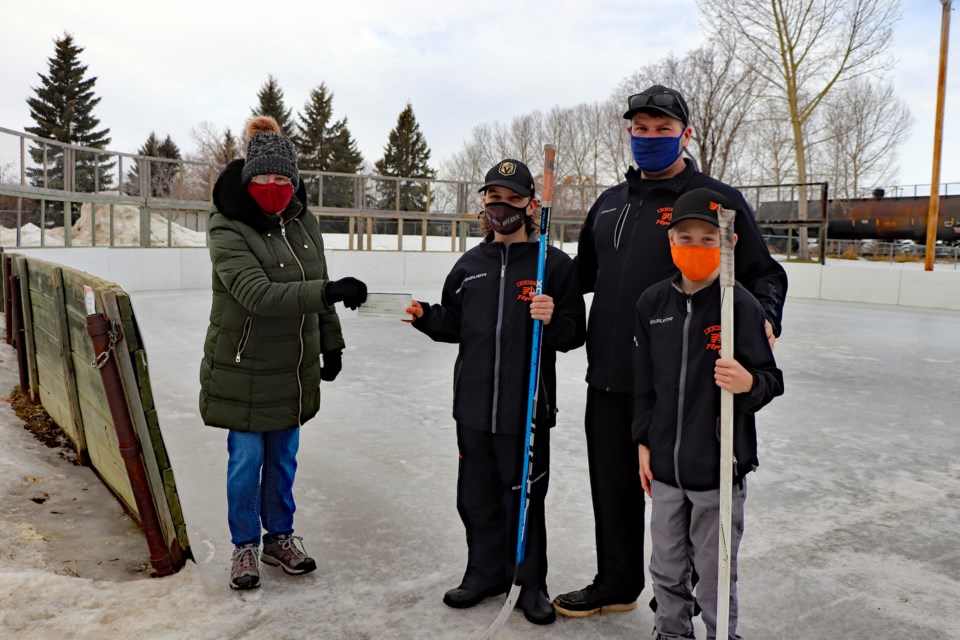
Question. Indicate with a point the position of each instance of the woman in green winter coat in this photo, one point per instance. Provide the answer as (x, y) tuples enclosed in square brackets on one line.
[(271, 323)]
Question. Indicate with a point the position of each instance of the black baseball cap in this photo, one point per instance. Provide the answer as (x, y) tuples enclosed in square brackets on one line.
[(659, 100), (698, 204), (511, 174)]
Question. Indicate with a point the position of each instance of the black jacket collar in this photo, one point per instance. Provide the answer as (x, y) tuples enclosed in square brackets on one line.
[(232, 199), (700, 294), (637, 183)]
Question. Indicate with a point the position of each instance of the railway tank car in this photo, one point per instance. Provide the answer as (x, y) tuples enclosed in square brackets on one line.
[(876, 218)]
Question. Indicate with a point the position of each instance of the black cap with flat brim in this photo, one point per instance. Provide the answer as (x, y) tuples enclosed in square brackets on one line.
[(513, 175), (659, 100), (698, 204)]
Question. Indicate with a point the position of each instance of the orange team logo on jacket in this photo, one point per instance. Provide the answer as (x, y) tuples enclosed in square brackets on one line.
[(713, 337), (527, 289), (665, 214)]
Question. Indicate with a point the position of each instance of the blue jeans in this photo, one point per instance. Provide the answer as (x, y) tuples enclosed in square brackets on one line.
[(260, 474)]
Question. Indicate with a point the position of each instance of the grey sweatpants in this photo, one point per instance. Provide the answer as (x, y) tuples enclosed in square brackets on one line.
[(683, 528)]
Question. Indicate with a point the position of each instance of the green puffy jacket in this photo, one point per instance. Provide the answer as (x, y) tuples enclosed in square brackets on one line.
[(269, 321)]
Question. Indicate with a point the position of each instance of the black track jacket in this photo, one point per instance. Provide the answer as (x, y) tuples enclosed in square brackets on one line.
[(623, 249), (485, 307), (677, 401)]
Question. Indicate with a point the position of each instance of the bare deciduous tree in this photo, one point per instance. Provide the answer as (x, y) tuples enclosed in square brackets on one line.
[(213, 149), (867, 127), (803, 50), (765, 155), (614, 140)]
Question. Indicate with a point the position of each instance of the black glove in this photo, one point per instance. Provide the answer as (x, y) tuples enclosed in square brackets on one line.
[(332, 363), (350, 291)]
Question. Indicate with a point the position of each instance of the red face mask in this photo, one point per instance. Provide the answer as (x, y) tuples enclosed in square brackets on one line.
[(696, 263), (272, 197)]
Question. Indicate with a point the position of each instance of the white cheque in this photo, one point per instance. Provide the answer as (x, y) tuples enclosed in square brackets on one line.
[(386, 305)]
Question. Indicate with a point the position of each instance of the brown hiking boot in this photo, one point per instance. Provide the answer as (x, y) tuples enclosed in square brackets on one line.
[(288, 552)]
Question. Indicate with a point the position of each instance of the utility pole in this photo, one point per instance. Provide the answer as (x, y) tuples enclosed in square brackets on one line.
[(933, 210)]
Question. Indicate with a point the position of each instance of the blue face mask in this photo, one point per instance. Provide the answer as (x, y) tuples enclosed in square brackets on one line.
[(655, 154)]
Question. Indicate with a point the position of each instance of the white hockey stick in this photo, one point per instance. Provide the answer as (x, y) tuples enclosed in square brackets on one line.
[(727, 281)]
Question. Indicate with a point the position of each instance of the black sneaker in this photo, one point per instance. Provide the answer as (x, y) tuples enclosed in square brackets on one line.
[(461, 598), (587, 602), (542, 612)]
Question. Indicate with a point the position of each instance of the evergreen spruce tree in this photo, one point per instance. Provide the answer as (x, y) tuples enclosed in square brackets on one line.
[(63, 110), (325, 145), (345, 156), (163, 175), (406, 154), (270, 99)]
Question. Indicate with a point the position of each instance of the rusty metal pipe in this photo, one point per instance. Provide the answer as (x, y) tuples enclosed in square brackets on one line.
[(20, 339), (98, 328)]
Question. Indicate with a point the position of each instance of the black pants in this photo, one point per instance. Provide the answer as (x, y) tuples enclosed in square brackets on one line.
[(618, 498), (488, 488)]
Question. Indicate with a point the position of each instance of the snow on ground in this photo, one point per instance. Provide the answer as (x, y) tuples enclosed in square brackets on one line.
[(851, 521)]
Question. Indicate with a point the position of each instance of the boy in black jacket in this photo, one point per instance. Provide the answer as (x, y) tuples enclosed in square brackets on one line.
[(487, 307), (677, 382)]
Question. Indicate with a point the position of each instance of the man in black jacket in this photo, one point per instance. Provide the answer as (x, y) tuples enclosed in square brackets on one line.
[(622, 251)]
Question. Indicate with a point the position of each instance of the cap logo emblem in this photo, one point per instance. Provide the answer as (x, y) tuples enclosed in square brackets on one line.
[(714, 206), (507, 168)]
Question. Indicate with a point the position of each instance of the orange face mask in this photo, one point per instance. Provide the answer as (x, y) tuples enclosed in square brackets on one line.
[(696, 263)]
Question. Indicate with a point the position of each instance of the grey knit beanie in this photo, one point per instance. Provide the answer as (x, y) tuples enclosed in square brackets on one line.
[(268, 151)]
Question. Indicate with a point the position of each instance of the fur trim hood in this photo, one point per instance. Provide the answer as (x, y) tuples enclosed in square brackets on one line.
[(233, 200)]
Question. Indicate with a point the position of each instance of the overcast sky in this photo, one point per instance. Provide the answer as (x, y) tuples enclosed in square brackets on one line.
[(169, 66)]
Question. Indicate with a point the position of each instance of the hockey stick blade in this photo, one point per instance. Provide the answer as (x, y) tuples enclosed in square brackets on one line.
[(508, 606)]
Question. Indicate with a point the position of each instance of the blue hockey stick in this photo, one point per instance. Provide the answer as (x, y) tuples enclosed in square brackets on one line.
[(526, 481)]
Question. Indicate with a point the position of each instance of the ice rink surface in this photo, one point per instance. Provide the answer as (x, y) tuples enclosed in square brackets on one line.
[(852, 519)]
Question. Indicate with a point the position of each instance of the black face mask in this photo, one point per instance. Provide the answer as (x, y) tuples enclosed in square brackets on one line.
[(504, 218)]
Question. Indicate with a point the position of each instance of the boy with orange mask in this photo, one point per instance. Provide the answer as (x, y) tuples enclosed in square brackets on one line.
[(677, 380)]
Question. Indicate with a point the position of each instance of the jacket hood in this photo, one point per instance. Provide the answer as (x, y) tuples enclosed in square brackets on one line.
[(231, 198)]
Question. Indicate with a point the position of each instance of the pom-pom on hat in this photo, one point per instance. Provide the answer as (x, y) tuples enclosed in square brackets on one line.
[(269, 151)]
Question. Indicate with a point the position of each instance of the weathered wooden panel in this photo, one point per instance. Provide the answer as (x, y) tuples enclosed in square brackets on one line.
[(44, 313), (70, 378), (146, 392), (153, 424), (125, 308), (117, 304), (51, 400), (170, 488), (71, 389), (41, 277), (55, 375), (110, 468), (21, 269)]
